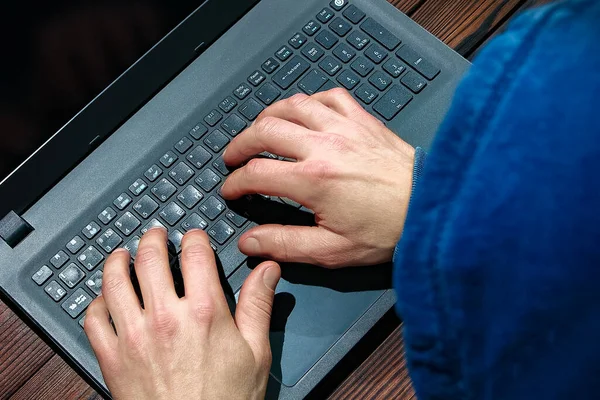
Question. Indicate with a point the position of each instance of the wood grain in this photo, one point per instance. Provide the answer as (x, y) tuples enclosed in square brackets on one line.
[(28, 368)]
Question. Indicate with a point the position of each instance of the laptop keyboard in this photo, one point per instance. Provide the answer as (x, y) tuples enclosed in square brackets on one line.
[(340, 46)]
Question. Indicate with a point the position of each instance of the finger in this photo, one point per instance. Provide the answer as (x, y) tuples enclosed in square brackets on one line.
[(343, 103), (305, 111), (118, 292), (269, 177), (153, 270), (98, 329), (199, 269), (298, 244), (274, 135), (253, 312)]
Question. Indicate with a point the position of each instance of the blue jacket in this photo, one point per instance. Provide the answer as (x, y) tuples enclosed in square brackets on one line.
[(498, 269)]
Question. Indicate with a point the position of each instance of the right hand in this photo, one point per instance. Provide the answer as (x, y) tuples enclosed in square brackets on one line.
[(353, 172)]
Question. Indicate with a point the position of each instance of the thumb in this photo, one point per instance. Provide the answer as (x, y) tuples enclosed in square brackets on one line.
[(253, 312)]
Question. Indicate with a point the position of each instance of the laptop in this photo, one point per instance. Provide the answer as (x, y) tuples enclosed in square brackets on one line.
[(114, 119)]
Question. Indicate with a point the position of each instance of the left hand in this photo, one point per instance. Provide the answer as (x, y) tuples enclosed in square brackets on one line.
[(181, 348)]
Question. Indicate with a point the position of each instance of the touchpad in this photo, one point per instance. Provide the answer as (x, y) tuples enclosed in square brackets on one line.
[(313, 308)]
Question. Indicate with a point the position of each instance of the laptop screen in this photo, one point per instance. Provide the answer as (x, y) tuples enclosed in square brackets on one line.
[(60, 54)]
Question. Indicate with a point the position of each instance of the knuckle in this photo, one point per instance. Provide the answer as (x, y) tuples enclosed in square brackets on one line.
[(196, 254), (336, 142), (113, 283), (165, 324), (148, 255), (204, 311), (254, 167), (317, 171), (266, 126), (298, 100), (340, 93)]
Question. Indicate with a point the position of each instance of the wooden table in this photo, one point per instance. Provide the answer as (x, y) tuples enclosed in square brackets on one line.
[(29, 369)]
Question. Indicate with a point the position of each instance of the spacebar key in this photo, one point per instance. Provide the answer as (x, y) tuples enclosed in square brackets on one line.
[(291, 72)]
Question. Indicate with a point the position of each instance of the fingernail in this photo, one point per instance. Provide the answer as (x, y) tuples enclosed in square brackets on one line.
[(271, 277), (157, 228), (224, 151), (120, 250), (251, 245)]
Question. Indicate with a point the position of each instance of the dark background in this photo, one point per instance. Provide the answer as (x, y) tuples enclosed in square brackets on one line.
[(57, 56)]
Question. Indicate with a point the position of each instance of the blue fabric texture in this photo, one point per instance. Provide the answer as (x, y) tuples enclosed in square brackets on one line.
[(498, 269)]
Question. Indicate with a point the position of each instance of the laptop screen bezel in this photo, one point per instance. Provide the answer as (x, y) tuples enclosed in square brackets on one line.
[(66, 148)]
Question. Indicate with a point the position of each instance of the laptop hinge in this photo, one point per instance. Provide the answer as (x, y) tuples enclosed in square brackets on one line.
[(13, 229)]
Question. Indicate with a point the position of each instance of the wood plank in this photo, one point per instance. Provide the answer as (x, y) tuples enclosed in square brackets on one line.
[(408, 7), (382, 376), (56, 380), (22, 352), (464, 24)]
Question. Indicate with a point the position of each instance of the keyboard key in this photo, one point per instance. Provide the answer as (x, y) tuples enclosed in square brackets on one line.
[(182, 146), (229, 102), (354, 14), (194, 221), (344, 53), (82, 321), (412, 58), (415, 82), (169, 157), (326, 39), (380, 80), (325, 15), (251, 108), (71, 275), (91, 230), (366, 93), (297, 40), (289, 94), (220, 166), (109, 240), (290, 72), (182, 172), (221, 232), (242, 91), (199, 157), (348, 79), (256, 78), (312, 82), (268, 93), (122, 201), (216, 141), (175, 237), (283, 54), (163, 190), (394, 67), (133, 245), (379, 33), (154, 223), (233, 125), (59, 259), (376, 53), (362, 66), (42, 275), (337, 5), (212, 208), (393, 102), (208, 180), (172, 213), (237, 219), (213, 118), (77, 303), (311, 27), (55, 291), (340, 26), (94, 283), (127, 223), (231, 258), (358, 40), (270, 65), (330, 65), (327, 86), (90, 258), (154, 171), (138, 187), (313, 52), (107, 215), (198, 131), (145, 207), (190, 196), (75, 244)]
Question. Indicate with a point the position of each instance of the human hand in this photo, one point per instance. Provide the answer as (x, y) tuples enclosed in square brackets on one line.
[(181, 348), (353, 172)]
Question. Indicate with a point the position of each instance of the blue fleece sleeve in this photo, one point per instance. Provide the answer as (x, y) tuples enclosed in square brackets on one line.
[(498, 270)]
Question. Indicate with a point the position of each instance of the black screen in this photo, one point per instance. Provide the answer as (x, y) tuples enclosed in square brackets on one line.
[(58, 55)]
